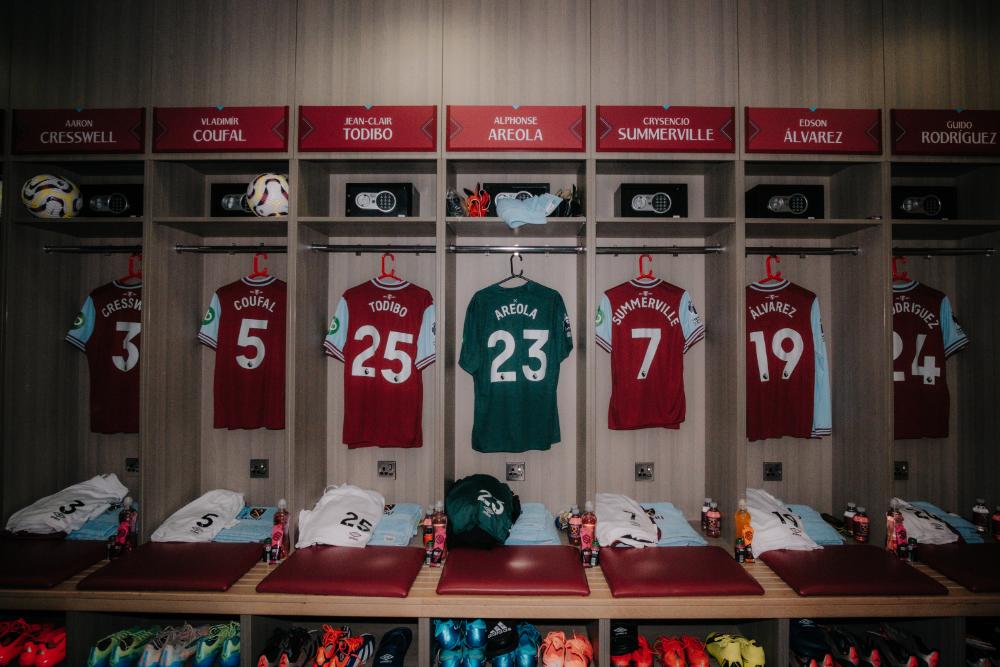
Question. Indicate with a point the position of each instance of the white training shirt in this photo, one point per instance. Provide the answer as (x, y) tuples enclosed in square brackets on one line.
[(621, 519), (923, 526), (69, 509), (201, 519), (774, 525), (345, 516)]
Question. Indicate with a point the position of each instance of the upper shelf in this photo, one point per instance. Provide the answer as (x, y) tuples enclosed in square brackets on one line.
[(88, 227), (372, 226), (942, 229), (495, 227), (227, 226)]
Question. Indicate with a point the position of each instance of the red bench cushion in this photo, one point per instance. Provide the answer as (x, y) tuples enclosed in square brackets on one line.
[(368, 572), (523, 570), (43, 563), (176, 566), (975, 566), (674, 572), (849, 570)]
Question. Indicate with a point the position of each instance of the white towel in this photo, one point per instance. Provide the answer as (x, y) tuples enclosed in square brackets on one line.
[(69, 509), (345, 516), (774, 525), (201, 519), (621, 519)]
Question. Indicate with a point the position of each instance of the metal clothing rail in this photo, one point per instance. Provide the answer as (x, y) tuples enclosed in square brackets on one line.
[(944, 252), (524, 250), (660, 250), (230, 249), (358, 249), (93, 249), (802, 250)]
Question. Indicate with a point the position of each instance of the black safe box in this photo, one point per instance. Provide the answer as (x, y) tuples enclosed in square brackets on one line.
[(637, 200), (395, 200), (785, 201), (117, 200), (924, 202), (512, 190)]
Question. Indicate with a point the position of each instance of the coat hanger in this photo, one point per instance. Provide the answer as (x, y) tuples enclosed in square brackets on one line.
[(897, 275), (519, 274), (134, 268), (258, 270), (645, 274), (770, 273), (391, 273)]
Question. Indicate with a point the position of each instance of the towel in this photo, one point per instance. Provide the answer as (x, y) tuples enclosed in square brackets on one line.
[(398, 525), (101, 528), (620, 519), (527, 211), (774, 527), (253, 524), (816, 528), (536, 525), (966, 529), (675, 531)]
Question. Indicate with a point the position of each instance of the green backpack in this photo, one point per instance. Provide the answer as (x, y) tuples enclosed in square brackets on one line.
[(481, 511)]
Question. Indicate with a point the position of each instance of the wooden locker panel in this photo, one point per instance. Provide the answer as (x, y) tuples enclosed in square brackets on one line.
[(679, 52), (414, 466), (551, 476), (232, 52), (88, 53), (811, 53), (678, 454), (516, 52), (934, 462), (807, 463), (942, 54), (355, 53)]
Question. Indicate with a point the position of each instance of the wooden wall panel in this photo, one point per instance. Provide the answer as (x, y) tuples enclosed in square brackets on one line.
[(550, 475), (88, 53), (811, 53), (619, 451), (664, 52), (516, 52), (235, 52), (942, 54), (369, 53)]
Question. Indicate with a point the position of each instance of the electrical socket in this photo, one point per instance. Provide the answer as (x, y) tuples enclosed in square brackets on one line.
[(901, 471), (644, 471), (132, 465), (387, 469), (260, 468), (515, 471), (772, 471)]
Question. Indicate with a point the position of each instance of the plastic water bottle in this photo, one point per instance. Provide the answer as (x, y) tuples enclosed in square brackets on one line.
[(588, 529), (575, 524), (279, 533), (713, 527), (849, 513), (427, 534), (705, 506), (861, 526), (439, 521), (981, 516)]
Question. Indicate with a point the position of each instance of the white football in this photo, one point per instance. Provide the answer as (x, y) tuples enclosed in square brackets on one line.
[(267, 195)]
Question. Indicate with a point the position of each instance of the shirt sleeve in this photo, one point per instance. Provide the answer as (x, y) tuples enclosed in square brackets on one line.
[(603, 323), (691, 324), (425, 340), (83, 326), (954, 337), (563, 330), (822, 408), (470, 357), (336, 335), (209, 332)]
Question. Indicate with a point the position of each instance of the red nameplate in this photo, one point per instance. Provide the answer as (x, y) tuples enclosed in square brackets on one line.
[(665, 129), (220, 129), (79, 131), (781, 130), (515, 128), (390, 128), (945, 132)]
